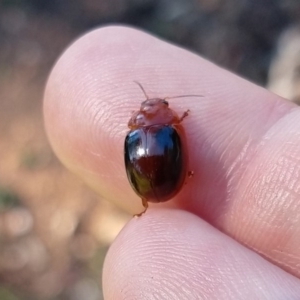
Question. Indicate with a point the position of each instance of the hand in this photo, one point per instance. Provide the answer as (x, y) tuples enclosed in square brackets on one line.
[(235, 231)]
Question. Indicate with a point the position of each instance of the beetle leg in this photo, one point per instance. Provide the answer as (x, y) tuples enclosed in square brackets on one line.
[(145, 204), (185, 114)]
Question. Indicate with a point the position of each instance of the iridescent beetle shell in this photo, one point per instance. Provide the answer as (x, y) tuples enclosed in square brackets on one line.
[(155, 151)]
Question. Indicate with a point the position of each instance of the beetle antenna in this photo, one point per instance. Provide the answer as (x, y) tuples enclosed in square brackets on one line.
[(182, 96), (141, 87)]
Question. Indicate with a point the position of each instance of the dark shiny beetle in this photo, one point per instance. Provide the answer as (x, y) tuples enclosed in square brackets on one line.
[(156, 155)]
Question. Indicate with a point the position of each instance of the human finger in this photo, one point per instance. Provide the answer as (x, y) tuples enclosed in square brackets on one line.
[(172, 254), (243, 141)]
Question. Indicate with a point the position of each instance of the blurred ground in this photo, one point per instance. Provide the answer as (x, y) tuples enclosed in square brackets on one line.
[(54, 232)]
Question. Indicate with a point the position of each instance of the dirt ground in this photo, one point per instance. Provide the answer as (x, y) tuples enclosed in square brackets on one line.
[(54, 232)]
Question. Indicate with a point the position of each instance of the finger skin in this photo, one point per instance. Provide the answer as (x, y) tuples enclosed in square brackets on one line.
[(90, 96), (242, 140), (172, 254)]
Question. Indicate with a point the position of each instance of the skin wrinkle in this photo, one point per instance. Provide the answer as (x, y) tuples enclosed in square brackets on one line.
[(286, 265), (278, 176), (234, 171), (290, 255), (240, 158)]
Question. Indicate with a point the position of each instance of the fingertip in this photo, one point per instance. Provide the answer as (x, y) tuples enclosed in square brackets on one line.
[(173, 254)]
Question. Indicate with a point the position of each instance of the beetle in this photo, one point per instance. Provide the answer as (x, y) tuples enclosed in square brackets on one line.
[(155, 150)]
